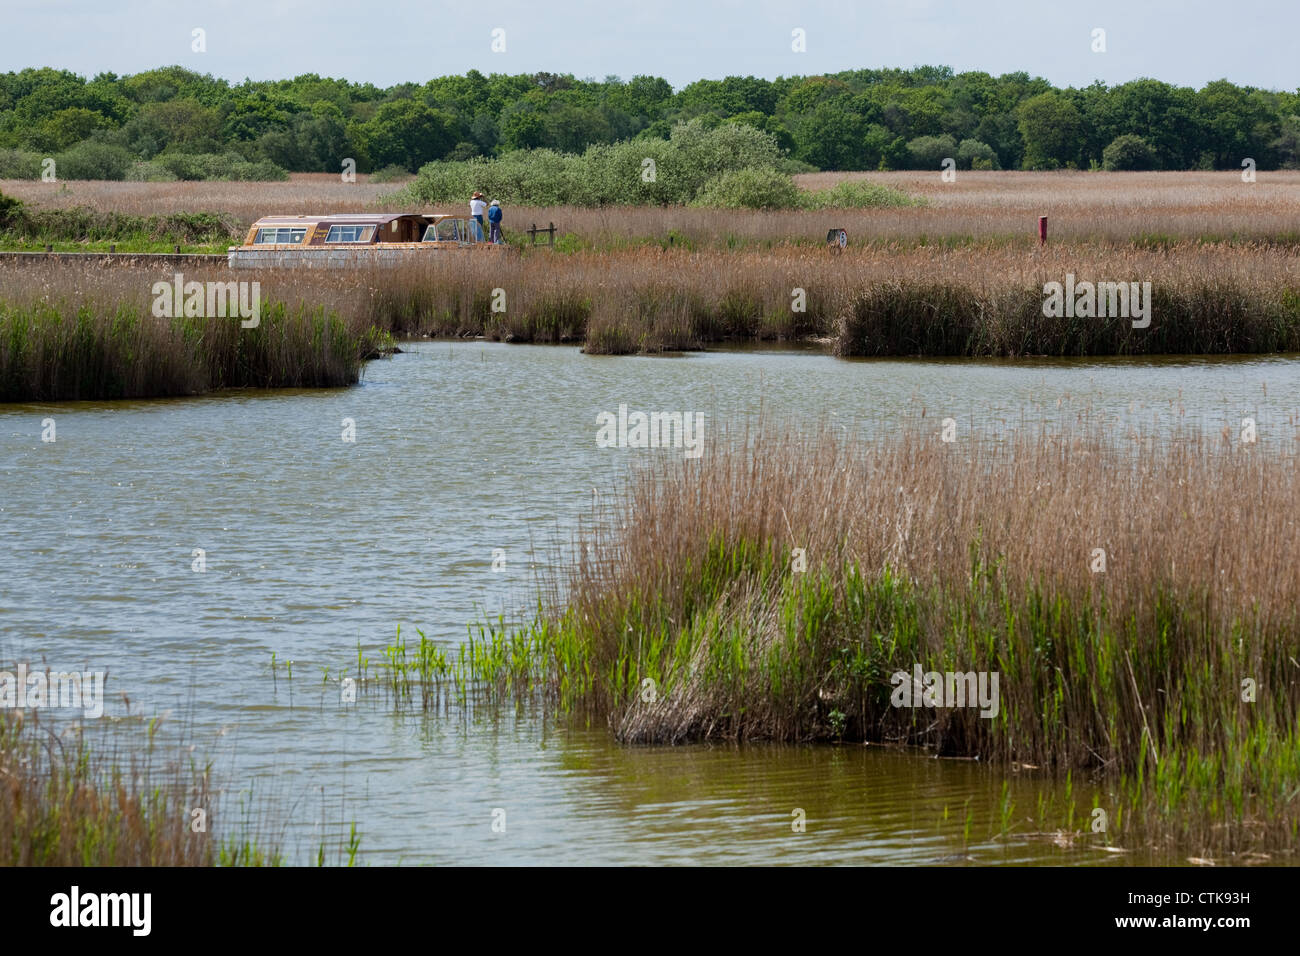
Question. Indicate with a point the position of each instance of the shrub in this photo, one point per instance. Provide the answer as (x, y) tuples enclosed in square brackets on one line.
[(929, 152), (1128, 153), (704, 153), (971, 152), (181, 165), (458, 152), (16, 164), (749, 189), (390, 174), (223, 166), (9, 206), (86, 224), (631, 172), (536, 177), (858, 195), (91, 160), (150, 173), (638, 172), (793, 167)]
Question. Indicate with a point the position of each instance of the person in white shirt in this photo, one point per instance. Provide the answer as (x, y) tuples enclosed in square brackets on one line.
[(477, 207)]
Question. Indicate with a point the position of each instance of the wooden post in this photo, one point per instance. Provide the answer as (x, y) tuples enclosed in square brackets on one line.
[(112, 247), (176, 249), (1042, 230), (550, 233)]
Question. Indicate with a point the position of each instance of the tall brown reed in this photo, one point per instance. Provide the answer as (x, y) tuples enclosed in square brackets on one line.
[(978, 555), (1082, 206), (72, 332), (65, 803), (85, 331)]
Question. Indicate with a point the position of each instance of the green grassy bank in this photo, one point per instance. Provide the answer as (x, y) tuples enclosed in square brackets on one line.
[(91, 350), (1164, 679)]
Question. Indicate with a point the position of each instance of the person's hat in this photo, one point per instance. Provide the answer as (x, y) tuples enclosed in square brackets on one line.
[(495, 202), (477, 195)]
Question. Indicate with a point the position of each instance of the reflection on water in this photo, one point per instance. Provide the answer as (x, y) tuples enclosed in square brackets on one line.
[(314, 546)]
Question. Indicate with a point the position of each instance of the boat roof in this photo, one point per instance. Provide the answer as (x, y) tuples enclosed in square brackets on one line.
[(364, 218)]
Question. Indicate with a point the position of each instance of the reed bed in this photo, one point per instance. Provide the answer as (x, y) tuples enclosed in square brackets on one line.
[(90, 333), (64, 802), (304, 193), (72, 331), (687, 617), (1206, 299), (1115, 208)]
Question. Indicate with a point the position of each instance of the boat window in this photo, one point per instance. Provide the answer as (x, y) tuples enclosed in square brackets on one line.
[(350, 233), (280, 235), (443, 231)]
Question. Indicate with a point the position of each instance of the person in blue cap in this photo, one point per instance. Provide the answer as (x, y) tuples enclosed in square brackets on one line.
[(494, 217)]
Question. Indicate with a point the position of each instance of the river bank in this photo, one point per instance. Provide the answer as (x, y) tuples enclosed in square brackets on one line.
[(1088, 300), (81, 795), (316, 548), (1133, 617), (117, 331)]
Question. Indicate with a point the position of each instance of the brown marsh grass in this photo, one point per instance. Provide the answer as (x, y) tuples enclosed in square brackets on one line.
[(302, 194), (68, 800), (979, 555), (962, 276), (88, 331), (1001, 206), (68, 321)]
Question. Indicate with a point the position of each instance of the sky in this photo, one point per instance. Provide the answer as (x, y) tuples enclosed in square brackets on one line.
[(1186, 42)]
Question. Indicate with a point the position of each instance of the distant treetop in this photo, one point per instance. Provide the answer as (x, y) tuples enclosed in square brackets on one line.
[(857, 119)]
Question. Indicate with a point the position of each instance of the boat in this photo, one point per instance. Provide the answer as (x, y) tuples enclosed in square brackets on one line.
[(355, 239)]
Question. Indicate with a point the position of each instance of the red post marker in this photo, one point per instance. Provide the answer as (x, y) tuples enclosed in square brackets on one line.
[(1042, 230)]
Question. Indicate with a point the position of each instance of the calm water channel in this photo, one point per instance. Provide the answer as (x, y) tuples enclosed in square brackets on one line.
[(313, 545)]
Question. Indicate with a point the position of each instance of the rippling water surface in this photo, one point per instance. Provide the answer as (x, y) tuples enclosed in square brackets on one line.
[(314, 545)]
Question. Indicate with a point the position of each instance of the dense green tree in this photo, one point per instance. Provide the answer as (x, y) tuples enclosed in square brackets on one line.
[(252, 114), (409, 134), (313, 141), (809, 93), (1286, 147), (571, 127), (174, 82), (850, 119), (66, 128), (1002, 133), (1128, 152), (895, 154), (181, 125), (830, 136), (523, 126), (1163, 115), (929, 152), (735, 94), (1237, 124), (642, 96), (768, 124), (972, 154), (1049, 123)]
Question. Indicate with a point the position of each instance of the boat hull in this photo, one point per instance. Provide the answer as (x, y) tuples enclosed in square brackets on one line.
[(365, 256)]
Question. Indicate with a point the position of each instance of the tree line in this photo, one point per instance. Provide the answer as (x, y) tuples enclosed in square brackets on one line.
[(165, 121)]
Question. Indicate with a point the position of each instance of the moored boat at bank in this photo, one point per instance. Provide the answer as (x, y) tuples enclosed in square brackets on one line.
[(355, 239)]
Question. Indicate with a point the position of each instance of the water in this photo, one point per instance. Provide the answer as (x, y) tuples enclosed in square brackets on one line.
[(313, 545)]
